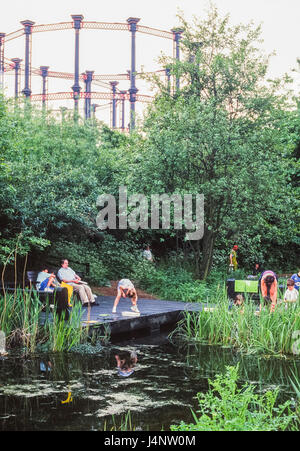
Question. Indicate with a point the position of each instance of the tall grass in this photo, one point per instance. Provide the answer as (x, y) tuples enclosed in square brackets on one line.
[(62, 335), (20, 320), (270, 333)]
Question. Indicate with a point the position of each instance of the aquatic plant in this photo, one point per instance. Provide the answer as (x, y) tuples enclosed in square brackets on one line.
[(244, 327), (228, 407), (20, 320)]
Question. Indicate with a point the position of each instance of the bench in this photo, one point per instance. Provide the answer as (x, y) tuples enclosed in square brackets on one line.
[(249, 288), (59, 297)]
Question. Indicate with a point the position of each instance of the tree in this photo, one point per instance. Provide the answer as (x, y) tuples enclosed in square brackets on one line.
[(224, 135)]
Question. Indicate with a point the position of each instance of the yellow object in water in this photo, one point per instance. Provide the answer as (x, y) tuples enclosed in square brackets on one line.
[(69, 399)]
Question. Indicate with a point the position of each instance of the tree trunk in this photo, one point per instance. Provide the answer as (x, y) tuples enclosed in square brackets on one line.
[(207, 253)]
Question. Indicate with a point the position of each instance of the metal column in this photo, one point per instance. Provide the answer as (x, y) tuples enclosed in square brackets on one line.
[(2, 37), (122, 94), (28, 32), (132, 21), (88, 77), (17, 62), (177, 32), (114, 102), (77, 19), (168, 75), (44, 74)]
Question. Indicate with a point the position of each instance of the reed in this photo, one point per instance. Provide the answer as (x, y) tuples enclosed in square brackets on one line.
[(269, 333), (20, 321)]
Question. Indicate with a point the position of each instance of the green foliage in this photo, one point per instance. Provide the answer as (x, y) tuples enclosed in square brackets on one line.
[(227, 134), (20, 321), (84, 253), (228, 407), (244, 328)]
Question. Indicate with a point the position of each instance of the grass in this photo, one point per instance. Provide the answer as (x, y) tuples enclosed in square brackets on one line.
[(269, 333), (20, 321)]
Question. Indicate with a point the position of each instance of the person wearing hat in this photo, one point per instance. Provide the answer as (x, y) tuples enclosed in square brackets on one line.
[(233, 260)]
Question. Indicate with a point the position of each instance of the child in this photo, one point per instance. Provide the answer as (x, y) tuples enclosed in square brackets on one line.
[(46, 281), (238, 302), (291, 294), (126, 289)]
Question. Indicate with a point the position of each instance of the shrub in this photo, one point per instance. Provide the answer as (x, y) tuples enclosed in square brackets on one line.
[(226, 407)]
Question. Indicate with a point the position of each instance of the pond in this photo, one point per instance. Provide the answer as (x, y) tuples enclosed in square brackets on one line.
[(85, 391)]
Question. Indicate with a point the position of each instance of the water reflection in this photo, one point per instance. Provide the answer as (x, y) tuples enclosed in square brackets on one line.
[(80, 391), (126, 362)]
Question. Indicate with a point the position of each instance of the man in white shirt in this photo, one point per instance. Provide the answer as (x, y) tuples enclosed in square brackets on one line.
[(67, 275), (147, 254)]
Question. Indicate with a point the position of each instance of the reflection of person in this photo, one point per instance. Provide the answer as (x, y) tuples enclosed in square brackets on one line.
[(67, 275), (126, 362), (126, 289), (233, 258), (45, 367), (268, 288), (291, 294), (147, 254)]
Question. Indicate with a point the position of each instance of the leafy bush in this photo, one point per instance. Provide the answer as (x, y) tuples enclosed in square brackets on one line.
[(84, 253), (226, 407)]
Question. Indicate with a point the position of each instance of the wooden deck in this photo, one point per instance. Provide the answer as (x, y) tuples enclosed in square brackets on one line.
[(154, 314)]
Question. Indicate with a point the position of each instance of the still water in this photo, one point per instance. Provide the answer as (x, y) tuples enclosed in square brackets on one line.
[(86, 391)]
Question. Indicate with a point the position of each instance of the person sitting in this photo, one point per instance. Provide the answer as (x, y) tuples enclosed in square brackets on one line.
[(268, 288), (126, 289), (47, 283), (291, 295), (68, 276)]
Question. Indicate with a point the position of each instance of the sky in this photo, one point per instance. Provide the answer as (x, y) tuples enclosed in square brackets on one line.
[(108, 52)]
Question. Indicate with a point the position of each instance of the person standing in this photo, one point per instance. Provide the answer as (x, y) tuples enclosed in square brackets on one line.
[(67, 275), (296, 278), (233, 264), (147, 254)]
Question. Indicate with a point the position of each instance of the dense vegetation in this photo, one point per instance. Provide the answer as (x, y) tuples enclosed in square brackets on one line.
[(229, 133), (228, 407)]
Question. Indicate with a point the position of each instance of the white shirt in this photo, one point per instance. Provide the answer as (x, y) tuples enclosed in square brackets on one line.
[(291, 295)]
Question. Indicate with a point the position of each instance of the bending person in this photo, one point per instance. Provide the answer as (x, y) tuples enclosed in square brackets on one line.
[(126, 289), (268, 288)]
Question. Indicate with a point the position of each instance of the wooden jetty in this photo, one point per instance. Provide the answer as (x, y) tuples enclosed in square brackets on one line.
[(154, 314)]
